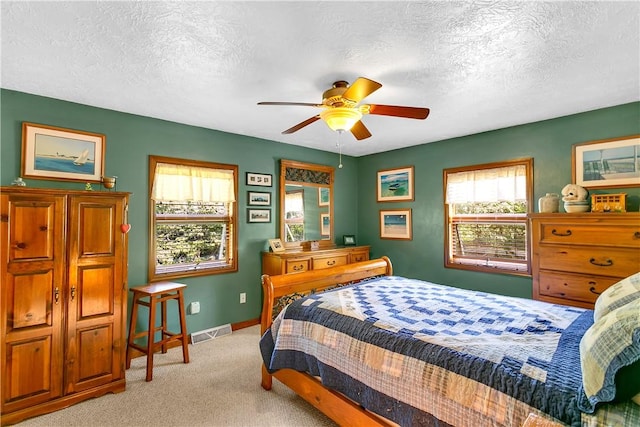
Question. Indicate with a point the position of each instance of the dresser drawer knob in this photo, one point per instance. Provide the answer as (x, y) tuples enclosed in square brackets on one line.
[(298, 267), (636, 235), (592, 289), (607, 263), (332, 262), (556, 233)]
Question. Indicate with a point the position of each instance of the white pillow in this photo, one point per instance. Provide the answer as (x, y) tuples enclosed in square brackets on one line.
[(623, 292), (611, 344)]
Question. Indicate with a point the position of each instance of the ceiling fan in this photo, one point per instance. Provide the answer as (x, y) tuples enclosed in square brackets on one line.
[(341, 109)]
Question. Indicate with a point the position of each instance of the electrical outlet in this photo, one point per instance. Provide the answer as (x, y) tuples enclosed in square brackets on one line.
[(243, 298), (194, 307)]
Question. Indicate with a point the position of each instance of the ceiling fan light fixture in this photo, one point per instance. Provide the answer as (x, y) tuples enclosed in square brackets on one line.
[(340, 118)]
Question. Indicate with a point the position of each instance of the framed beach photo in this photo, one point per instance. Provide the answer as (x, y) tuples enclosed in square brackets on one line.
[(395, 224), (323, 196), (259, 179), (607, 163), (258, 215), (258, 198), (325, 224), (54, 153), (394, 185)]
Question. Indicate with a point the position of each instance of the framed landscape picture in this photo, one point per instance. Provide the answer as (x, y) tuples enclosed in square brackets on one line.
[(54, 153), (395, 185), (258, 215), (323, 196), (607, 163), (259, 198), (325, 224), (396, 224)]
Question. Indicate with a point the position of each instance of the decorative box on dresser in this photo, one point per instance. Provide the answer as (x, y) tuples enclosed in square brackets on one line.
[(296, 261), (63, 298), (575, 257)]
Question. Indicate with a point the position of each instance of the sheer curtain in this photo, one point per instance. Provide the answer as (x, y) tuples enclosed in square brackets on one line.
[(488, 185), (189, 183)]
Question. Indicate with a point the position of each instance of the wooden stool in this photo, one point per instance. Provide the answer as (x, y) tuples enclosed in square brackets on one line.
[(157, 293)]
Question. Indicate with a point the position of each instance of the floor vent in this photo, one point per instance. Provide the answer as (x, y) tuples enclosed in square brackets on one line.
[(209, 334)]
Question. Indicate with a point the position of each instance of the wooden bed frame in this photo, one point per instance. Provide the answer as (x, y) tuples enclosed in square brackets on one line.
[(336, 406)]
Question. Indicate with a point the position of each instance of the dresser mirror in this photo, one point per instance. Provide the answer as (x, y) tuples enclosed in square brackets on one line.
[(306, 204)]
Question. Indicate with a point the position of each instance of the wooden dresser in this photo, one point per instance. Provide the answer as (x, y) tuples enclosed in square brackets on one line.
[(577, 256), (63, 298), (296, 261)]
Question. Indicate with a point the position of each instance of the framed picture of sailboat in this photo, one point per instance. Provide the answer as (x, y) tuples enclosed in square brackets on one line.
[(54, 153)]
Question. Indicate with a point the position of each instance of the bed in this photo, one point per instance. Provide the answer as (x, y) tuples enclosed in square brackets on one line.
[(369, 348)]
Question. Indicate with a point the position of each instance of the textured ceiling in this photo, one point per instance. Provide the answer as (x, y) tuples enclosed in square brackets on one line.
[(477, 65)]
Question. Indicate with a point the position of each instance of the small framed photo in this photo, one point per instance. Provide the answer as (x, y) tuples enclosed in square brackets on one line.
[(323, 196), (349, 240), (258, 215), (258, 198), (325, 224), (276, 245), (607, 163), (259, 179), (394, 185), (50, 152), (396, 224)]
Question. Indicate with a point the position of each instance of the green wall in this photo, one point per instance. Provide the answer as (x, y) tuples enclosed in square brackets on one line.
[(131, 139), (548, 142)]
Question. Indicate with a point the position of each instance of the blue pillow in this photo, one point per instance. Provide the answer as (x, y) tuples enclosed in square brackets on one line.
[(610, 358)]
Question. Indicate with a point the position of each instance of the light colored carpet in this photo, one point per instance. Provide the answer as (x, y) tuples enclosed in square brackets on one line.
[(219, 387)]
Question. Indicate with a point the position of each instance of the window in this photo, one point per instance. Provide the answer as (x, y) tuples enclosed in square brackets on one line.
[(193, 215), (486, 210)]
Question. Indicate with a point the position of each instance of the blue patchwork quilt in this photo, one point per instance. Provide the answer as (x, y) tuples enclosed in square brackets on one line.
[(419, 353)]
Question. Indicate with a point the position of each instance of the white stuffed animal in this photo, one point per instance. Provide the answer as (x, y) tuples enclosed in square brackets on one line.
[(574, 193)]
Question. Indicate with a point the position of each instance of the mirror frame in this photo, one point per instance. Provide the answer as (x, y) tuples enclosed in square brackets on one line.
[(293, 164)]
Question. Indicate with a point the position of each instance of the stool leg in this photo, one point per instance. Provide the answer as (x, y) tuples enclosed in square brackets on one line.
[(132, 327), (151, 337), (164, 322), (183, 327)]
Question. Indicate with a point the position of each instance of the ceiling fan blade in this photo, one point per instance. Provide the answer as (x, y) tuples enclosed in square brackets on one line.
[(301, 125), (303, 104), (360, 131), (399, 111), (360, 89)]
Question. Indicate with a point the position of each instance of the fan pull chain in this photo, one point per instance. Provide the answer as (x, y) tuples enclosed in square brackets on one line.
[(339, 132)]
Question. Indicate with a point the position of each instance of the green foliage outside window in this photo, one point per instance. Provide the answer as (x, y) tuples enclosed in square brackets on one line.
[(190, 233)]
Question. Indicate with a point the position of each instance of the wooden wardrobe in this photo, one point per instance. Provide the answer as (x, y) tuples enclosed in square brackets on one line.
[(63, 298)]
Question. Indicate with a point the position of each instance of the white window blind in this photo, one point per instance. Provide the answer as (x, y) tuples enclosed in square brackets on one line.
[(488, 185), (173, 182)]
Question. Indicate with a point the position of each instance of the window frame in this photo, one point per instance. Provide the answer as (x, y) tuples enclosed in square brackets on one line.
[(489, 218), (231, 224)]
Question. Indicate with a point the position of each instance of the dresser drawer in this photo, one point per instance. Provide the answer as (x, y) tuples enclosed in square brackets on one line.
[(359, 256), (619, 235), (590, 260), (573, 286), (332, 261), (297, 265)]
